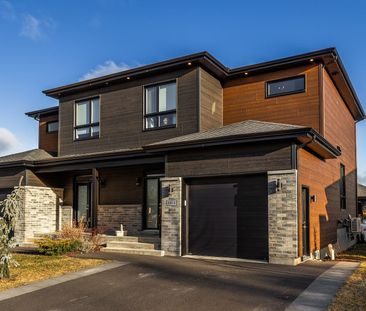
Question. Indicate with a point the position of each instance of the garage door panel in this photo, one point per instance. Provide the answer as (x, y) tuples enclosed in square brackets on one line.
[(229, 217)]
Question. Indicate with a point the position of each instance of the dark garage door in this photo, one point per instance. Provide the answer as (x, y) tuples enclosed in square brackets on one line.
[(228, 217)]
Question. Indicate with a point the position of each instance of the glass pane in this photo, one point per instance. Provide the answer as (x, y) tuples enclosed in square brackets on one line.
[(83, 204), (95, 131), (167, 119), (167, 97), (82, 113), (95, 110), (150, 100), (152, 203), (82, 133), (286, 86), (151, 122), (52, 127)]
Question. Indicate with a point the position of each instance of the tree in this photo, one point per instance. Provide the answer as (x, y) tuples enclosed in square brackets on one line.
[(10, 211)]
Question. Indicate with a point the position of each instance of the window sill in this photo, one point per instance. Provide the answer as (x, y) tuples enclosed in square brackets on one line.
[(160, 128), (87, 138)]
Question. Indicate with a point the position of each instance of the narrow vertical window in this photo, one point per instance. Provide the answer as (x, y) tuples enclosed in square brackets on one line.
[(342, 186), (87, 119)]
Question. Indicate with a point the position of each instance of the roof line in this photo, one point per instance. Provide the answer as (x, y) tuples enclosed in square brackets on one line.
[(37, 113)]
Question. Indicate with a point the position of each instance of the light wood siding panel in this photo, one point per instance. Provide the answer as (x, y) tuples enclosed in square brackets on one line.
[(245, 99), (48, 141), (229, 160), (211, 101), (121, 115), (323, 176)]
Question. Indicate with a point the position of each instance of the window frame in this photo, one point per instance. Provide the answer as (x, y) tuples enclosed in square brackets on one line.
[(90, 124), (159, 113), (342, 187), (285, 79), (52, 132)]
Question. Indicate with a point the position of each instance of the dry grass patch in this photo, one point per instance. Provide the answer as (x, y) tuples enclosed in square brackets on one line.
[(352, 295), (37, 267)]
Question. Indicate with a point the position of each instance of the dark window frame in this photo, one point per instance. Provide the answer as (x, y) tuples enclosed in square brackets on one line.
[(47, 129), (342, 187), (87, 125), (159, 113), (285, 93)]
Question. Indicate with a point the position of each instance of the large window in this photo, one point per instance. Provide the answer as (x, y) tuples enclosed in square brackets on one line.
[(342, 186), (285, 86), (160, 106), (86, 119), (52, 127)]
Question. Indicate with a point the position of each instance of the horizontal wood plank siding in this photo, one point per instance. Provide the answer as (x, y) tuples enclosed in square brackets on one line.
[(245, 99), (48, 141), (10, 177)]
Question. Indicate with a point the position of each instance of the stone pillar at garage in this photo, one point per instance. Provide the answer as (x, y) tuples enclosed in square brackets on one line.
[(171, 211)]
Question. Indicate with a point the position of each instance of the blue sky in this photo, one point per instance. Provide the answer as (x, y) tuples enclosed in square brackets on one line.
[(45, 44)]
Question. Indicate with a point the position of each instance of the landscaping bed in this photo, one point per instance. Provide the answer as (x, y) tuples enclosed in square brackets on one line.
[(39, 267), (352, 295)]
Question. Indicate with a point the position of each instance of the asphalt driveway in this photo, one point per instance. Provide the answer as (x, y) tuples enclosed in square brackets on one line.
[(166, 283)]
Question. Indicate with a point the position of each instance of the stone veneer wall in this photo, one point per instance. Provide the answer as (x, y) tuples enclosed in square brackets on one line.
[(283, 217), (40, 210), (110, 217), (171, 207), (66, 216)]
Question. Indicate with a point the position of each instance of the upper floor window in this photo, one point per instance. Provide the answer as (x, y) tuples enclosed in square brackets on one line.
[(285, 86), (342, 186), (52, 127), (86, 119), (160, 106)]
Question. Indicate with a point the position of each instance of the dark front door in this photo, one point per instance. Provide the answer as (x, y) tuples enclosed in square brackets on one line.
[(305, 221), (228, 217), (83, 203), (152, 203)]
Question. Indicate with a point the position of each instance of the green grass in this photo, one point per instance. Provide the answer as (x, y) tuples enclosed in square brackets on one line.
[(39, 267)]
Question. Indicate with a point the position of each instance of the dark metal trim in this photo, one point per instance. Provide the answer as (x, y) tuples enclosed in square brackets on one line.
[(42, 112), (293, 156)]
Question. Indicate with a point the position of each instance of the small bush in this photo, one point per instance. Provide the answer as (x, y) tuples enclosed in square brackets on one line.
[(58, 247), (74, 232)]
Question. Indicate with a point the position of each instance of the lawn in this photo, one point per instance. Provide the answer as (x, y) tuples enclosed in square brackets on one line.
[(352, 296), (38, 267)]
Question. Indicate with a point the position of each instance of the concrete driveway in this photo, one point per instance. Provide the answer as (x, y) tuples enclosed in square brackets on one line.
[(166, 283)]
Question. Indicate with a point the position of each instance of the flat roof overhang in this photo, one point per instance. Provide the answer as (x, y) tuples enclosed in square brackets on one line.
[(36, 114)]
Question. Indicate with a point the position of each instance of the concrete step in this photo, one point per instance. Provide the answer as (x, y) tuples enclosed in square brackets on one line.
[(142, 239), (132, 245), (131, 251)]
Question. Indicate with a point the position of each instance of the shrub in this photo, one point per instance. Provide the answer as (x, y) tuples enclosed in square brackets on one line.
[(74, 232), (58, 247)]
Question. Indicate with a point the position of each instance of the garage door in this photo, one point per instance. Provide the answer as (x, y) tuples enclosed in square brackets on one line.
[(228, 217)]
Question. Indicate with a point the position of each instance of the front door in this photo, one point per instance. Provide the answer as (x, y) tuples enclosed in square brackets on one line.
[(152, 203), (83, 203), (305, 221)]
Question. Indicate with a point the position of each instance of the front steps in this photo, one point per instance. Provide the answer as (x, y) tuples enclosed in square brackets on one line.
[(134, 245)]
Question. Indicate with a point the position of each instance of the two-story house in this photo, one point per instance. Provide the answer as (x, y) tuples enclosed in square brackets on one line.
[(256, 162)]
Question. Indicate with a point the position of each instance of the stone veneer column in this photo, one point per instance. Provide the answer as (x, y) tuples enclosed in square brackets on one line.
[(40, 210), (283, 217), (171, 206)]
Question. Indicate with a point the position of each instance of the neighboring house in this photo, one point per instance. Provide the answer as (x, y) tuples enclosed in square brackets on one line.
[(256, 162), (361, 195)]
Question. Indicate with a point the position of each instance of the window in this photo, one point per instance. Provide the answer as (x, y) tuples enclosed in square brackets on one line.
[(285, 86), (160, 106), (86, 119), (52, 127), (342, 186)]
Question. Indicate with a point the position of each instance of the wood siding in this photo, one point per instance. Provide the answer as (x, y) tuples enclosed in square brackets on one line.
[(229, 160), (48, 141), (211, 101), (322, 177), (245, 99), (10, 177), (121, 115)]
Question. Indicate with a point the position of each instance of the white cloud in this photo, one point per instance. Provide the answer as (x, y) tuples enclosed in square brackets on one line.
[(31, 27), (108, 67), (7, 10), (361, 177), (8, 141)]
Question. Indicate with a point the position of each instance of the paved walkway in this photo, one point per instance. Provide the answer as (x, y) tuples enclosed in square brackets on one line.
[(168, 283)]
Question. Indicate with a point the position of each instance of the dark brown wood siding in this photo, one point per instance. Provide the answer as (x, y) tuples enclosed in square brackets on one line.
[(10, 177), (322, 177), (245, 99), (211, 101), (228, 160), (121, 115), (48, 141)]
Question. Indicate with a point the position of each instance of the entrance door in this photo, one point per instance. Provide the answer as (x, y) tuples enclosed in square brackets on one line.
[(83, 203), (305, 221), (152, 203)]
